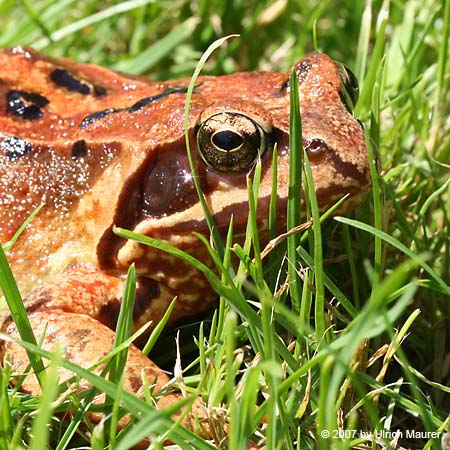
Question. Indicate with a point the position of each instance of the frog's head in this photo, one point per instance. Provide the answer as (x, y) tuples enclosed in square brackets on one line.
[(102, 149), (235, 121)]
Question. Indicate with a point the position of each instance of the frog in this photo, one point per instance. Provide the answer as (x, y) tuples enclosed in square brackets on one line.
[(102, 150)]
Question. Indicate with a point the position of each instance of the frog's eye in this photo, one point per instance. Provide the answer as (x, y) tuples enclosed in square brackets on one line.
[(231, 141), (350, 89)]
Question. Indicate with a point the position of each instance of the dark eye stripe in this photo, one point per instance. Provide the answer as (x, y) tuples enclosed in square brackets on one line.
[(133, 108)]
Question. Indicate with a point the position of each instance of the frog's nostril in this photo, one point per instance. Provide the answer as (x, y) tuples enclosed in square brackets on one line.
[(316, 148)]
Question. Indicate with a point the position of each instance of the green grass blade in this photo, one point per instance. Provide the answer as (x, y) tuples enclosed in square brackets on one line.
[(208, 216), (124, 324), (152, 55), (18, 312), (295, 189), (363, 41), (40, 430), (319, 304), (159, 328), (21, 229), (156, 421), (364, 103), (90, 20), (399, 246), (6, 423)]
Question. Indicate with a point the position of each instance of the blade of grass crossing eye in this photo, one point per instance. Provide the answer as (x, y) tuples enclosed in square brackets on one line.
[(208, 216), (319, 304), (18, 312), (295, 189)]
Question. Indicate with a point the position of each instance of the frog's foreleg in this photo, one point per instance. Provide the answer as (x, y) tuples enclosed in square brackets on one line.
[(67, 313)]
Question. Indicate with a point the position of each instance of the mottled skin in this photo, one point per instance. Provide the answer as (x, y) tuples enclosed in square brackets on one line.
[(102, 149)]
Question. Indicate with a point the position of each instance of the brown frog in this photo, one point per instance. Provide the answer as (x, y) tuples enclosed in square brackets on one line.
[(100, 149)]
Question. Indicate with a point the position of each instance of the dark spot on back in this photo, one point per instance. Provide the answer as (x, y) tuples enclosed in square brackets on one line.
[(79, 149), (27, 105), (15, 147), (133, 108), (145, 101), (67, 80), (96, 116)]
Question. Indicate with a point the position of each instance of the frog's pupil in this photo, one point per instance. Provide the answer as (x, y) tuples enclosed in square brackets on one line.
[(227, 140)]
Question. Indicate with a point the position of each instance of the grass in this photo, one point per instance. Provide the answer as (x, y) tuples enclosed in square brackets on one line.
[(363, 349)]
